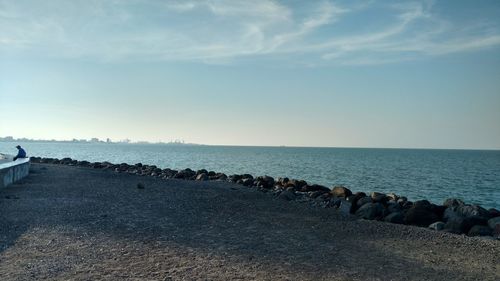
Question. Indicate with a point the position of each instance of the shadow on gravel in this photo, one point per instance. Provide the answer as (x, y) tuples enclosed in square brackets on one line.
[(231, 223)]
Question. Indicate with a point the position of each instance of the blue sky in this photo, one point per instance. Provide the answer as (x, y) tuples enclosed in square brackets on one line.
[(303, 73)]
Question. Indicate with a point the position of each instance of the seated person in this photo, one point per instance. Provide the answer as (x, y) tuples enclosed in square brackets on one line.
[(20, 153)]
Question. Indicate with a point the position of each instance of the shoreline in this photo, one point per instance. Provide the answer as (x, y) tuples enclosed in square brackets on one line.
[(79, 223), (453, 216)]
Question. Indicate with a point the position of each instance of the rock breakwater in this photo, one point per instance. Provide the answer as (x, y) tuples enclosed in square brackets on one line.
[(453, 216)]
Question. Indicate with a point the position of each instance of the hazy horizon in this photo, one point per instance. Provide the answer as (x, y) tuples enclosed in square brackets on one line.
[(374, 74)]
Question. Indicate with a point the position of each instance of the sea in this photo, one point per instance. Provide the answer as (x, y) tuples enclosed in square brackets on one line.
[(431, 174)]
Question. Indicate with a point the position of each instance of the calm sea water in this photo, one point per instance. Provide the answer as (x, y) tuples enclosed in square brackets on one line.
[(472, 175)]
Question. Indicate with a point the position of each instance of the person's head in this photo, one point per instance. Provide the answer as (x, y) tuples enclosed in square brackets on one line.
[(18, 147)]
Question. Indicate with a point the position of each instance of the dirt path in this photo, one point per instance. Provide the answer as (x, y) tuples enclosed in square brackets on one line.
[(69, 223)]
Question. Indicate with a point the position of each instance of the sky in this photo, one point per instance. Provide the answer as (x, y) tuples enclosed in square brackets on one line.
[(402, 74)]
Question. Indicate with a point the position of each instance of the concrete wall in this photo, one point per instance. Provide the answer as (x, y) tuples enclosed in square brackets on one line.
[(13, 171)]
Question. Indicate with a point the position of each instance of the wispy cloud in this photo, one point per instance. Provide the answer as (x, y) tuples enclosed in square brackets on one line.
[(323, 32)]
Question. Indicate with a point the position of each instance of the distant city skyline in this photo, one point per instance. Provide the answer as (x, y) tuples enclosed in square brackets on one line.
[(412, 74)]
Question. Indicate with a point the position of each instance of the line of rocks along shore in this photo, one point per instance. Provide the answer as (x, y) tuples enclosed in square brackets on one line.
[(453, 216)]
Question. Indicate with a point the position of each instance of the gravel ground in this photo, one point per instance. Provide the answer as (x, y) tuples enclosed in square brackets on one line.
[(71, 223)]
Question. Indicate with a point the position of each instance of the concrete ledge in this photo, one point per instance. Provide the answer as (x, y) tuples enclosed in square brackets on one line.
[(13, 171)]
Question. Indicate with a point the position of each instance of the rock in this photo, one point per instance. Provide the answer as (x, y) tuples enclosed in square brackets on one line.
[(66, 161), (479, 230), (395, 217), (247, 182), (450, 214), (496, 231), (298, 184), (392, 197), (363, 201), (378, 197), (459, 225), (219, 176), (393, 207), (202, 171), (494, 212), (315, 194), (287, 195), (492, 223), (370, 211), (185, 174), (140, 186), (402, 200), (315, 187), (266, 182), (202, 177), (421, 214), (345, 207), (473, 211), (340, 191), (439, 225), (453, 202)]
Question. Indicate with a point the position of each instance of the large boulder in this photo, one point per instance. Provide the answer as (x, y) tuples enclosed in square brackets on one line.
[(453, 202), (473, 211), (371, 211), (459, 225), (345, 207), (266, 182), (422, 213), (287, 195), (378, 197), (364, 200), (492, 223), (479, 230), (340, 191), (395, 217), (202, 177)]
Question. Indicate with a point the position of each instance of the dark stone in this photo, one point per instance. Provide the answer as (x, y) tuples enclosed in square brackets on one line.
[(392, 197), (235, 178), (479, 230), (453, 202), (378, 197), (247, 182), (185, 174), (393, 207), (315, 187), (473, 211), (371, 211), (492, 223), (439, 225), (282, 181), (421, 214), (298, 184), (138, 165), (364, 200), (140, 186), (345, 207), (315, 194), (287, 195), (496, 232), (266, 182), (395, 217), (340, 191), (202, 177), (202, 171), (459, 225), (494, 212)]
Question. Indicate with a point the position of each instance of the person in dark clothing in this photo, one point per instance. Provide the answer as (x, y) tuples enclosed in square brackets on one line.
[(20, 153)]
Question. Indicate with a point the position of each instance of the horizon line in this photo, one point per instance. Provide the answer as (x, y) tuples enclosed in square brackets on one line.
[(241, 145)]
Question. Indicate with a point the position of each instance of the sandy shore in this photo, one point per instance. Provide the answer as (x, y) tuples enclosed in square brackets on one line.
[(71, 223)]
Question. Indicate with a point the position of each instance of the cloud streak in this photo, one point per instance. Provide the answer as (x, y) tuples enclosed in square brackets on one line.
[(228, 31)]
